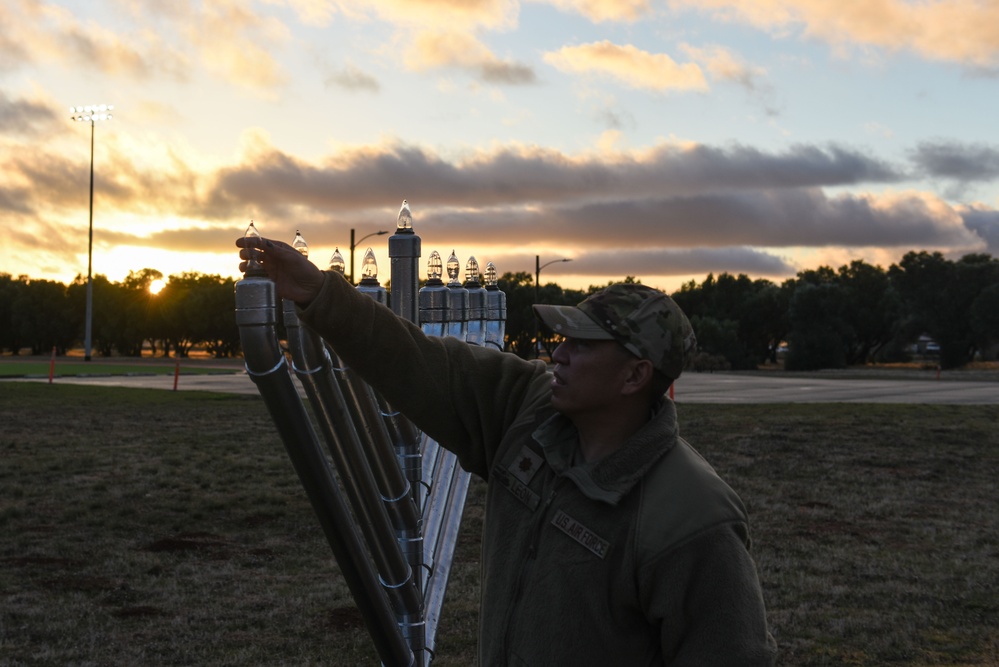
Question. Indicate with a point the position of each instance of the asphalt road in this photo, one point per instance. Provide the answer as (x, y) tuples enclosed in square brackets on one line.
[(690, 388), (752, 388)]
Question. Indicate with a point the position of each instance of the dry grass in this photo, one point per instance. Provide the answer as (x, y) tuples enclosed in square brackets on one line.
[(876, 526), (162, 528)]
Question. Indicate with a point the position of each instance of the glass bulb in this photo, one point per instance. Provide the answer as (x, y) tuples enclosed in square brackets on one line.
[(434, 266), (369, 267), (252, 245), (405, 220), (299, 244), (491, 279), (336, 262), (452, 269), (472, 270)]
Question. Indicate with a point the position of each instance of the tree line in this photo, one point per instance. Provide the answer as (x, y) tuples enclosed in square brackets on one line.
[(827, 318), (192, 309)]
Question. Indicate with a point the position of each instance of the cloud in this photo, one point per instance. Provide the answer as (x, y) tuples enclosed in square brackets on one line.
[(671, 208), (311, 12), (352, 78), (517, 176), (724, 65), (967, 163), (13, 51), (234, 42), (28, 118), (436, 14), (605, 10), (629, 65), (615, 119), (49, 33), (151, 40), (774, 219), (984, 221), (358, 178), (459, 50), (962, 31)]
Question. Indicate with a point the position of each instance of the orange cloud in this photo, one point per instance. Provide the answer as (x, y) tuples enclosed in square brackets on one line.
[(964, 31), (606, 10), (722, 64), (438, 49), (491, 14), (233, 41), (630, 65), (223, 37)]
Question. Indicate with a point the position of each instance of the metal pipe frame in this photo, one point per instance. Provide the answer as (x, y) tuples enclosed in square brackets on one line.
[(313, 367), (406, 491), (403, 437), (256, 314), (495, 313), (475, 313)]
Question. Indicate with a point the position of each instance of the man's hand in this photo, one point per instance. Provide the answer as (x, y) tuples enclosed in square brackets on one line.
[(294, 276)]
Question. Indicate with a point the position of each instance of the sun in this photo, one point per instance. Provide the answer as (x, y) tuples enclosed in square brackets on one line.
[(156, 286)]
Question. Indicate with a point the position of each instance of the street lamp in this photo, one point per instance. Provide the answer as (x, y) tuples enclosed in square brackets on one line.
[(537, 280), (354, 245), (90, 113)]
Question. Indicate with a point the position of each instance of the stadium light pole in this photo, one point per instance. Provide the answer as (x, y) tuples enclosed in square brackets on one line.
[(354, 245), (537, 293), (90, 113)]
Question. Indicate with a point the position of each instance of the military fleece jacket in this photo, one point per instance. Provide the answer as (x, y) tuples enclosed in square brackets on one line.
[(640, 558)]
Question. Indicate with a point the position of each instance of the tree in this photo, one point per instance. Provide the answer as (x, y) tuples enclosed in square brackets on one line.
[(819, 336), (737, 318), (42, 316), (939, 295), (10, 337), (873, 310), (985, 318), (140, 305), (175, 326), (519, 289), (211, 317)]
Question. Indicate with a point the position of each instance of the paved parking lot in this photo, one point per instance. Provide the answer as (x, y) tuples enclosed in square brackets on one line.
[(690, 388), (783, 388)]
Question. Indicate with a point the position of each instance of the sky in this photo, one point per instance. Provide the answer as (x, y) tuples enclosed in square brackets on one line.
[(660, 140)]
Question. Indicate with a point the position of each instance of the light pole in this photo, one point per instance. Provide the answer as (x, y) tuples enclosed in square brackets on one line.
[(537, 281), (354, 245), (90, 113)]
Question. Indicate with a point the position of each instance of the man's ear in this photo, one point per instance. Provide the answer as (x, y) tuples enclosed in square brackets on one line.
[(639, 377)]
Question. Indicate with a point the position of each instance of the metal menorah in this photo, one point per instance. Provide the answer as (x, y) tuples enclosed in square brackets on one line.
[(406, 492)]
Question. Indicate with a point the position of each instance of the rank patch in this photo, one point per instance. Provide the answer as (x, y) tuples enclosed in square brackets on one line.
[(525, 464)]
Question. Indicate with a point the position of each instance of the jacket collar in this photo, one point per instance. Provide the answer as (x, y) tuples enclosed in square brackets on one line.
[(611, 478)]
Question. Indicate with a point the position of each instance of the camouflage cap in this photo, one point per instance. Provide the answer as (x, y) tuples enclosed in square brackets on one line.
[(645, 321)]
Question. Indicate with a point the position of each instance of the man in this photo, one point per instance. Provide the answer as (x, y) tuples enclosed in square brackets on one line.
[(607, 539)]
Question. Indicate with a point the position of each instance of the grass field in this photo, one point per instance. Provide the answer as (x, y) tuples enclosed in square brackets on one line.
[(35, 366), (145, 527)]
